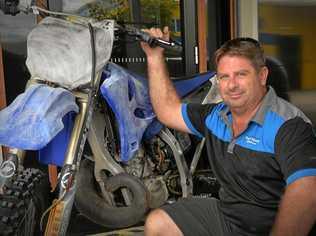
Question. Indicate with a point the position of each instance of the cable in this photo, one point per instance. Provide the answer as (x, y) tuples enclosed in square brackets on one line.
[(50, 208), (37, 9), (92, 41)]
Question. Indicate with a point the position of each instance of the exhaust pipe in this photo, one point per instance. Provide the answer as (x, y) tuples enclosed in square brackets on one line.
[(89, 202)]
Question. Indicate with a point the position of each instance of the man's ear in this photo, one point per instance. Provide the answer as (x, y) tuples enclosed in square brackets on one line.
[(263, 75)]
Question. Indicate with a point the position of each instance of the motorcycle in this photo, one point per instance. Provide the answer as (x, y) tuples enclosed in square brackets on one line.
[(130, 163)]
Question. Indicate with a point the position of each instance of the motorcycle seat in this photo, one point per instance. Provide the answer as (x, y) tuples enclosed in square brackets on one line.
[(188, 84)]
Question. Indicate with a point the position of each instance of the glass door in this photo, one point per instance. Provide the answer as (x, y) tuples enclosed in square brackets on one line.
[(141, 14)]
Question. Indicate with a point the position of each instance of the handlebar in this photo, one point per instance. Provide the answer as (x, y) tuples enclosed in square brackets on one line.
[(152, 41)]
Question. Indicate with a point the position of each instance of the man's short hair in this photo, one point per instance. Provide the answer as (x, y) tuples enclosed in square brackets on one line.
[(244, 47)]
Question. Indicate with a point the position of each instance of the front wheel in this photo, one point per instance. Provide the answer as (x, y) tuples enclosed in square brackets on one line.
[(22, 203)]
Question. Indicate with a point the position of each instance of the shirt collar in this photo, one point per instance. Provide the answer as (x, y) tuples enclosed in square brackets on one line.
[(268, 100)]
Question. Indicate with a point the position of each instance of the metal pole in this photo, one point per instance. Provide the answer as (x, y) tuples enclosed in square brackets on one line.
[(189, 34)]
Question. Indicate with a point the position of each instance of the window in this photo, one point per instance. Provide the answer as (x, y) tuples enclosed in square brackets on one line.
[(140, 14)]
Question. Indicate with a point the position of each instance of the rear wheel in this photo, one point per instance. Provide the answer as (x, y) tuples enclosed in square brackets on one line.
[(23, 202)]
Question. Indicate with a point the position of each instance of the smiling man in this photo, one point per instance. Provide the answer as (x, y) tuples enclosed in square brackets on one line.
[(261, 148)]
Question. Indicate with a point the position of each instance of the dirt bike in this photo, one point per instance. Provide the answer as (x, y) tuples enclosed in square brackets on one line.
[(130, 163)]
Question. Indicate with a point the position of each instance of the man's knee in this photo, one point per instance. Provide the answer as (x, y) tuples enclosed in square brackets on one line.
[(158, 222), (155, 220)]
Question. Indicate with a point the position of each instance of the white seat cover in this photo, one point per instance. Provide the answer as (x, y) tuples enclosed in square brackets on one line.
[(60, 51)]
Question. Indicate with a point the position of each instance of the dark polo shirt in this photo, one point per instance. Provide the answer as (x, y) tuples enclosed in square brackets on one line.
[(277, 148)]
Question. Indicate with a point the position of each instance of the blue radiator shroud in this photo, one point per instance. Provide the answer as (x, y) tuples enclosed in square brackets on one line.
[(127, 95)]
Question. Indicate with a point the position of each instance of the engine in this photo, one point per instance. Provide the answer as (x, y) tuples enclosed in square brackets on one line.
[(154, 164)]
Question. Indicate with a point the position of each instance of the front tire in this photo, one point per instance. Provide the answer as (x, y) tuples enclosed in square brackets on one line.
[(23, 202)]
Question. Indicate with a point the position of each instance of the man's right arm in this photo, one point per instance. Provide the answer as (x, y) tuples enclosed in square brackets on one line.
[(164, 98)]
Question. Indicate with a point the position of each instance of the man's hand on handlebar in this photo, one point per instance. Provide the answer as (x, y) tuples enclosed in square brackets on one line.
[(156, 33)]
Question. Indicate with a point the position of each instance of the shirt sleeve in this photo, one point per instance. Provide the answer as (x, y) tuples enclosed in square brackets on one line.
[(296, 149), (194, 116)]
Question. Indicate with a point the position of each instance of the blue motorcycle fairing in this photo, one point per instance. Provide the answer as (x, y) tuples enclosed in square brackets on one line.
[(34, 118), (127, 95), (52, 155), (183, 87)]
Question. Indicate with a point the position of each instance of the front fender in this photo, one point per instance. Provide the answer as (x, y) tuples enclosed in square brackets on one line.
[(34, 118)]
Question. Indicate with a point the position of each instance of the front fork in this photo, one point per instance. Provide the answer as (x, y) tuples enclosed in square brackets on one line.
[(11, 164), (61, 209)]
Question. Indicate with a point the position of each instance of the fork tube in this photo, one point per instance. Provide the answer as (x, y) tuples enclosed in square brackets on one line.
[(59, 216), (77, 139)]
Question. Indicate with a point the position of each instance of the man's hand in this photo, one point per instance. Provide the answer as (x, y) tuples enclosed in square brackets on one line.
[(157, 33), (164, 98)]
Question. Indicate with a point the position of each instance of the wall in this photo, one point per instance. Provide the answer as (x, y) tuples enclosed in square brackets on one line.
[(293, 21), (247, 16)]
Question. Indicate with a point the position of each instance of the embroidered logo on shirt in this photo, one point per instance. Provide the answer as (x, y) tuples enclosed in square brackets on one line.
[(252, 140)]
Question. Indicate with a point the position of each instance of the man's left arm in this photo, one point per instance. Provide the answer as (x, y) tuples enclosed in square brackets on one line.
[(297, 210), (296, 152)]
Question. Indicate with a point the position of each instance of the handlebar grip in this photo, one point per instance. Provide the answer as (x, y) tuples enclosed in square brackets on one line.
[(153, 42), (167, 45)]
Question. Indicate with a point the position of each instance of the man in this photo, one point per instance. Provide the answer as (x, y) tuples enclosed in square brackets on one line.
[(261, 148)]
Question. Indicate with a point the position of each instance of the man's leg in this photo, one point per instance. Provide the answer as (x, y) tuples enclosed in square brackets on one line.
[(194, 216), (158, 222)]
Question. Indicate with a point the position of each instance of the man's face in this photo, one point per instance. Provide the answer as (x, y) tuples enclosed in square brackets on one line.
[(240, 85)]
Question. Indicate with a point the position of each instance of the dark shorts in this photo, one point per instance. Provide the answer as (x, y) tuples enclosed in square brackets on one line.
[(202, 216), (198, 216)]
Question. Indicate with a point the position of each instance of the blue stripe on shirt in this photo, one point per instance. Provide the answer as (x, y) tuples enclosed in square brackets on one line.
[(188, 121), (300, 174)]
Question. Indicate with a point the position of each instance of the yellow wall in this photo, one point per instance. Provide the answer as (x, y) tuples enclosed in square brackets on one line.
[(293, 20)]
